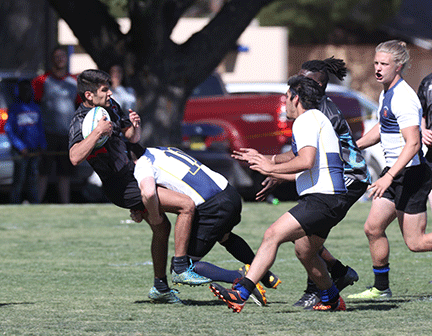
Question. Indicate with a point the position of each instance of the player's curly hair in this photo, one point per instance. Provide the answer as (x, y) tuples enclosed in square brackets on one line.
[(308, 90), (331, 65)]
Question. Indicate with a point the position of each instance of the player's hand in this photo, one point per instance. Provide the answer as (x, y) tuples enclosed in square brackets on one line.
[(268, 184), (134, 118), (244, 154), (261, 164), (377, 189), (427, 137), (105, 126), (136, 215)]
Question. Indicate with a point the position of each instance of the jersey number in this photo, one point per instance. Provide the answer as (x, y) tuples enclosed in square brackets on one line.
[(193, 164)]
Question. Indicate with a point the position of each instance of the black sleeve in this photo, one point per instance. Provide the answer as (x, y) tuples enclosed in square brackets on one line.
[(425, 95), (331, 111), (124, 117), (75, 134)]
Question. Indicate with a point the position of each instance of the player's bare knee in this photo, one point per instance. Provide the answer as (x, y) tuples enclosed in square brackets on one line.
[(414, 245), (271, 236), (188, 207), (301, 254), (372, 231)]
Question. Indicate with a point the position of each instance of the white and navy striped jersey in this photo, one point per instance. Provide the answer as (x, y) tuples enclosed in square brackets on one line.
[(399, 108), (313, 128), (178, 171)]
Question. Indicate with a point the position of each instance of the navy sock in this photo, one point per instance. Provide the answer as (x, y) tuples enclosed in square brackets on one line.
[(381, 277), (245, 287), (329, 295), (215, 273)]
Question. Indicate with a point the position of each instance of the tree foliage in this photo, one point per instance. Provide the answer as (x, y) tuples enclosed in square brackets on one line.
[(320, 21)]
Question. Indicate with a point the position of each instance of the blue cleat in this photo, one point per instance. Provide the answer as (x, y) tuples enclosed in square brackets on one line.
[(189, 277), (169, 297)]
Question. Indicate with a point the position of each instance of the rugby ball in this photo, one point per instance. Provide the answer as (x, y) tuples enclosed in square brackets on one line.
[(90, 122)]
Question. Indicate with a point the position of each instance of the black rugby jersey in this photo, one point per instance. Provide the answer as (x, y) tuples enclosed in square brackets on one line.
[(425, 95), (355, 164), (112, 157)]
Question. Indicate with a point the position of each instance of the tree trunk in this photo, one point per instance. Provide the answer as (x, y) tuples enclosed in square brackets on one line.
[(162, 72)]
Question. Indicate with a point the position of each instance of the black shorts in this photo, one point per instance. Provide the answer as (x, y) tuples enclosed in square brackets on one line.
[(122, 189), (57, 152), (410, 188), (355, 190), (213, 219), (319, 213)]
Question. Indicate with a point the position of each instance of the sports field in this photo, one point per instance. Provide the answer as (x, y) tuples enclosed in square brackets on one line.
[(86, 270)]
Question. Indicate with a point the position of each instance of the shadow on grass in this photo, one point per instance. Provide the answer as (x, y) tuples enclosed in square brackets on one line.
[(189, 302), (383, 305), (15, 303)]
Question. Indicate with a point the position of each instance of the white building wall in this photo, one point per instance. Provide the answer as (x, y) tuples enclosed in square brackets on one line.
[(265, 61)]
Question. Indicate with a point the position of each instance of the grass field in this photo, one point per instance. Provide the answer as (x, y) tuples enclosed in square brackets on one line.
[(86, 270)]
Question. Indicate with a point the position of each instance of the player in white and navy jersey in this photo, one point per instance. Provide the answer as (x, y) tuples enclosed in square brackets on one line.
[(318, 170), (178, 171), (218, 209), (357, 177), (401, 191)]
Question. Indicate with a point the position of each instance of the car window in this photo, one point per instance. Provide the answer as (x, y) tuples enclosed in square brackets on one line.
[(212, 86)]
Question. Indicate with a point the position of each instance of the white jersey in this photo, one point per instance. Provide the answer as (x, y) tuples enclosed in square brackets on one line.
[(178, 171), (399, 108), (313, 128)]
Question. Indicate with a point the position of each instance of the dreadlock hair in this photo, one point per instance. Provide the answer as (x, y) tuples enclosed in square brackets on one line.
[(328, 66)]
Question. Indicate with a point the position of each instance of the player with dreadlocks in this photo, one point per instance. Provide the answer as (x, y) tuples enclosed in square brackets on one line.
[(357, 177)]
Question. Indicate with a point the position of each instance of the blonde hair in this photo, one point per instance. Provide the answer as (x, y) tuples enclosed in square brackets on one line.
[(396, 48)]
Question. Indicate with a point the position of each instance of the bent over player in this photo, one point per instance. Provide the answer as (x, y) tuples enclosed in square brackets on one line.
[(218, 210)]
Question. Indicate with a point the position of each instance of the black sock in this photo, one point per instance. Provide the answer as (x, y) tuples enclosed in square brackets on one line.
[(239, 249), (311, 287), (161, 284), (338, 270), (248, 284), (381, 277), (180, 264)]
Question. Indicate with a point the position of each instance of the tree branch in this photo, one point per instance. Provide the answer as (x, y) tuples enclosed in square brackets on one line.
[(97, 31), (216, 39)]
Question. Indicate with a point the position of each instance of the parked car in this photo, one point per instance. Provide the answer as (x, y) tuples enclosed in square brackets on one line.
[(358, 110), (250, 120)]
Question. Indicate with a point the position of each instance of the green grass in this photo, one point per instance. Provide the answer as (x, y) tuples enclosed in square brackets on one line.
[(86, 270)]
